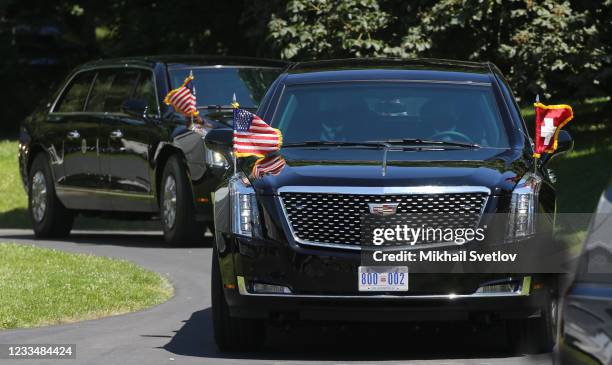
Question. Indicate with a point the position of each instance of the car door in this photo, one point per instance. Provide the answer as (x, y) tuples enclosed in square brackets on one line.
[(75, 146), (129, 140)]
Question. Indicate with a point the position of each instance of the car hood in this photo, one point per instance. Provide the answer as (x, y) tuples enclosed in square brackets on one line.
[(497, 169)]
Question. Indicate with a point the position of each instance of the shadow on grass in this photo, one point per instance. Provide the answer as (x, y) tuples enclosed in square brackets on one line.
[(351, 342), (581, 178), (18, 219)]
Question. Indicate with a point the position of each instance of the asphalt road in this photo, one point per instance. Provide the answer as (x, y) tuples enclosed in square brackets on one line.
[(180, 330)]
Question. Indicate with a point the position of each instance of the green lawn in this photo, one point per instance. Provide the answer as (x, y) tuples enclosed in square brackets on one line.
[(41, 287), (13, 200)]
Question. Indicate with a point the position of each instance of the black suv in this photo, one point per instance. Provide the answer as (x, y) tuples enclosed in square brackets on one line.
[(106, 142), (378, 137)]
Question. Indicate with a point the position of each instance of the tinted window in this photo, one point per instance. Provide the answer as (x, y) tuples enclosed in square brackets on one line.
[(102, 84), (111, 88), (368, 111), (215, 86), (73, 99), (145, 90)]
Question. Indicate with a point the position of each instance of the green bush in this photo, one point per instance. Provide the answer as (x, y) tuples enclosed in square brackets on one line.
[(550, 47)]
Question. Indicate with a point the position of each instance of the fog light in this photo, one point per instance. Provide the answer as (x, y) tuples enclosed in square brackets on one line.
[(270, 289), (498, 288), (509, 286)]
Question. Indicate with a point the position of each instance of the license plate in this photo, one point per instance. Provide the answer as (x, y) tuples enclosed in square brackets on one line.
[(383, 278)]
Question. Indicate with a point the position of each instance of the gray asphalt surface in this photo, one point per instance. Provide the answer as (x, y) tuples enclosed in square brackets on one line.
[(180, 330)]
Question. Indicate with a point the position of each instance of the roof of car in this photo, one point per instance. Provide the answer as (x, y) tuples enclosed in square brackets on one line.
[(178, 61), (388, 69)]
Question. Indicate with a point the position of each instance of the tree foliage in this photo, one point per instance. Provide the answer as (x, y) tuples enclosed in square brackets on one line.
[(557, 47), (548, 46), (322, 28), (533, 41)]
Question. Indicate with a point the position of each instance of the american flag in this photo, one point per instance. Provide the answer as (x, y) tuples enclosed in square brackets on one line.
[(268, 165), (183, 98), (253, 136)]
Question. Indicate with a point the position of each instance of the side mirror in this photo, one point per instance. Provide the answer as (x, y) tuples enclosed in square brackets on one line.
[(219, 140), (565, 143), (135, 107)]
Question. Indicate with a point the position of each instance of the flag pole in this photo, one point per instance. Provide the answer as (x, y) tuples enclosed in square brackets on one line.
[(235, 106), (536, 156), (194, 94)]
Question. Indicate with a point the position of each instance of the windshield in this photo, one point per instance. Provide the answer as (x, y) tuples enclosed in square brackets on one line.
[(216, 85), (381, 111)]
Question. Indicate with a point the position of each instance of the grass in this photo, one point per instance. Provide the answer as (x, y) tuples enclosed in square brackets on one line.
[(42, 287), (13, 200)]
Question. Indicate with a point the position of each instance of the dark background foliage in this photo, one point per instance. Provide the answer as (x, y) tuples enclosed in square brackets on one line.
[(558, 49)]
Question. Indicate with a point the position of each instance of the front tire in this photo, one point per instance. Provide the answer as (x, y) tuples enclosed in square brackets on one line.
[(232, 334), (537, 335), (49, 217), (177, 207)]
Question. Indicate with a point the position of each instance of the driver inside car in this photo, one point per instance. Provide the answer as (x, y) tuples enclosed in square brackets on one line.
[(452, 123), (441, 121)]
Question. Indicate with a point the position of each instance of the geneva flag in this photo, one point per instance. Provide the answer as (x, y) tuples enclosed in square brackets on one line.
[(549, 119)]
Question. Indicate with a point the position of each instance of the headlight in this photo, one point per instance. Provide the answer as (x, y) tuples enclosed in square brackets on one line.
[(522, 219), (215, 159), (245, 216)]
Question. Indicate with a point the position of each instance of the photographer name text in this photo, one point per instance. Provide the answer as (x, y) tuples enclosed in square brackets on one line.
[(443, 256)]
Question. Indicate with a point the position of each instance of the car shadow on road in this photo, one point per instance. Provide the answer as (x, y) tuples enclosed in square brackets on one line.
[(147, 239), (349, 342)]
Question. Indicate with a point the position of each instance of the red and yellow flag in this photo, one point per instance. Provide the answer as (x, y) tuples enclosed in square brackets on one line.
[(549, 119)]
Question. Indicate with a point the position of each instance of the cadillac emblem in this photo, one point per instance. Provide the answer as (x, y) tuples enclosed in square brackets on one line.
[(383, 209)]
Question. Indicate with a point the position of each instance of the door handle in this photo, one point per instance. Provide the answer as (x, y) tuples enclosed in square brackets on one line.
[(73, 135), (116, 134)]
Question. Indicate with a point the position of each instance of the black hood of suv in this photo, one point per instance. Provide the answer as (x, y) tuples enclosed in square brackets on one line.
[(494, 168)]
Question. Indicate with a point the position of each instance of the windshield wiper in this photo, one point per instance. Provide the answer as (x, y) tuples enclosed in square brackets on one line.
[(418, 141), (219, 107), (336, 144)]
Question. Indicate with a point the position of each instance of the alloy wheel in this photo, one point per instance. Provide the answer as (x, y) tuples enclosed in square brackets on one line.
[(169, 204), (39, 196)]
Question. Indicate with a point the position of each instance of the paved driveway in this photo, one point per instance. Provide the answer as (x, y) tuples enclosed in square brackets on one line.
[(180, 331)]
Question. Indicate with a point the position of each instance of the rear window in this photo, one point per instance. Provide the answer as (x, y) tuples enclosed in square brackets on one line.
[(217, 85), (379, 111), (73, 98)]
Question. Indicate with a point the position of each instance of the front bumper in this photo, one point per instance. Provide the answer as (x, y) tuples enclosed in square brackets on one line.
[(381, 309), (323, 286)]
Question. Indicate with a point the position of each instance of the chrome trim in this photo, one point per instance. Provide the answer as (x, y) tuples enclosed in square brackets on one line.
[(525, 291), (376, 190), (68, 189), (384, 190)]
